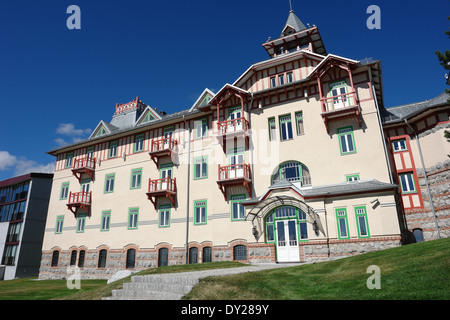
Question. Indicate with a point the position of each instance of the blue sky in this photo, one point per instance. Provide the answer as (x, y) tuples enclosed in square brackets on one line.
[(56, 84)]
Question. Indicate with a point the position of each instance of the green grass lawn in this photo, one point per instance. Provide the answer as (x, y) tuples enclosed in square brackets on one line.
[(415, 271)]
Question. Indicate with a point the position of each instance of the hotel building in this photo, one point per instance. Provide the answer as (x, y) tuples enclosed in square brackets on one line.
[(289, 163)]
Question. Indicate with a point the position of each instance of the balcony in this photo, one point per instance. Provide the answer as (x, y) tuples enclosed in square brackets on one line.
[(166, 187), (80, 200), (84, 165), (234, 128), (343, 105), (235, 174), (162, 148)]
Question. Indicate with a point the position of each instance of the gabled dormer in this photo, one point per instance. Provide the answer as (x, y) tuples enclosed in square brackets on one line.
[(148, 115), (203, 100), (103, 128)]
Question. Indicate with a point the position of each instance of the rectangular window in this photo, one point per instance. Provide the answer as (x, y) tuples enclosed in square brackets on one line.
[(286, 127), (237, 210), (113, 149), (59, 224), (69, 159), (272, 129), (109, 183), (136, 178), (201, 128), (106, 220), (139, 143), (200, 212), (200, 168), (133, 216), (164, 216), (346, 140), (299, 123), (399, 145), (361, 221), (289, 77), (90, 152), (407, 182), (269, 233), (64, 193), (342, 224), (352, 177), (273, 82), (281, 79), (81, 221)]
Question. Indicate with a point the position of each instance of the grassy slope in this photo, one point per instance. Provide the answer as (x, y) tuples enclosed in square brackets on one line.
[(416, 271)]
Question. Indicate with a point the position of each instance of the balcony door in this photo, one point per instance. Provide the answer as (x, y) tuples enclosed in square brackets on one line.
[(338, 92), (166, 172), (235, 113), (168, 135), (236, 168)]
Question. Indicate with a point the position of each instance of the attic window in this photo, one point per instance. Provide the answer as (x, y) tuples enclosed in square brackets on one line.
[(102, 131)]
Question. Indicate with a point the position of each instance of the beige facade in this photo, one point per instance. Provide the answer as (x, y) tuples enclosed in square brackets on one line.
[(286, 164)]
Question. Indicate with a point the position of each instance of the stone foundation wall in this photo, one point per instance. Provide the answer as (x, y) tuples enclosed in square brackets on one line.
[(439, 183)]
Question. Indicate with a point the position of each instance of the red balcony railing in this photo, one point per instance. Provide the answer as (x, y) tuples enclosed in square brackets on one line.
[(163, 144), (234, 171), (338, 102), (231, 126), (84, 163), (79, 200), (165, 187), (164, 184)]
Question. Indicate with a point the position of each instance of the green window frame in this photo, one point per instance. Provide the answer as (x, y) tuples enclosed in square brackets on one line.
[(270, 228), (299, 123), (86, 185), (81, 222), (237, 211), (106, 220), (362, 222), (200, 168), (346, 140), (407, 182), (164, 216), (342, 223), (64, 192), (69, 160), (352, 177), (109, 183), (136, 179), (59, 224), (113, 145), (133, 218), (286, 132), (200, 212), (272, 129), (90, 152), (139, 143), (201, 128)]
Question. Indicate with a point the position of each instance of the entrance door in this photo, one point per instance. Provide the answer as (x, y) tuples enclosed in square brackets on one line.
[(287, 244), (163, 257)]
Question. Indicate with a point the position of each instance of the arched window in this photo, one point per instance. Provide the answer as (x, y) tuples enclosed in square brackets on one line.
[(292, 171), (207, 254), (73, 258), (55, 258), (240, 252), (131, 258), (193, 255), (418, 234), (102, 258), (81, 258)]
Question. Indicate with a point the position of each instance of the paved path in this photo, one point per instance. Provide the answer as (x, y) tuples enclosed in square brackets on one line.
[(173, 286)]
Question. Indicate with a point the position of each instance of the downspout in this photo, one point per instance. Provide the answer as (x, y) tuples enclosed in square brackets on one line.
[(187, 193), (249, 108), (426, 178)]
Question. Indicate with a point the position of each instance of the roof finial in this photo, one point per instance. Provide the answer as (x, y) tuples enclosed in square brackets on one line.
[(290, 5)]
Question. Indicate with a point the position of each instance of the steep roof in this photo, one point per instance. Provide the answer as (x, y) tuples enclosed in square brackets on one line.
[(294, 22)]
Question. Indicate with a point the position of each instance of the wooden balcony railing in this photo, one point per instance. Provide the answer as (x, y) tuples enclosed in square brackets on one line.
[(232, 126), (235, 174), (80, 200), (84, 165), (338, 102), (165, 187), (162, 148)]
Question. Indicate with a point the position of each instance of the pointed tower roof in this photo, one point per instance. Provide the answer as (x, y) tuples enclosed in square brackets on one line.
[(293, 25)]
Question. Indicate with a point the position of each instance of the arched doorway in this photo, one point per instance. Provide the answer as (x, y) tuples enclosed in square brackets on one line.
[(163, 257)]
